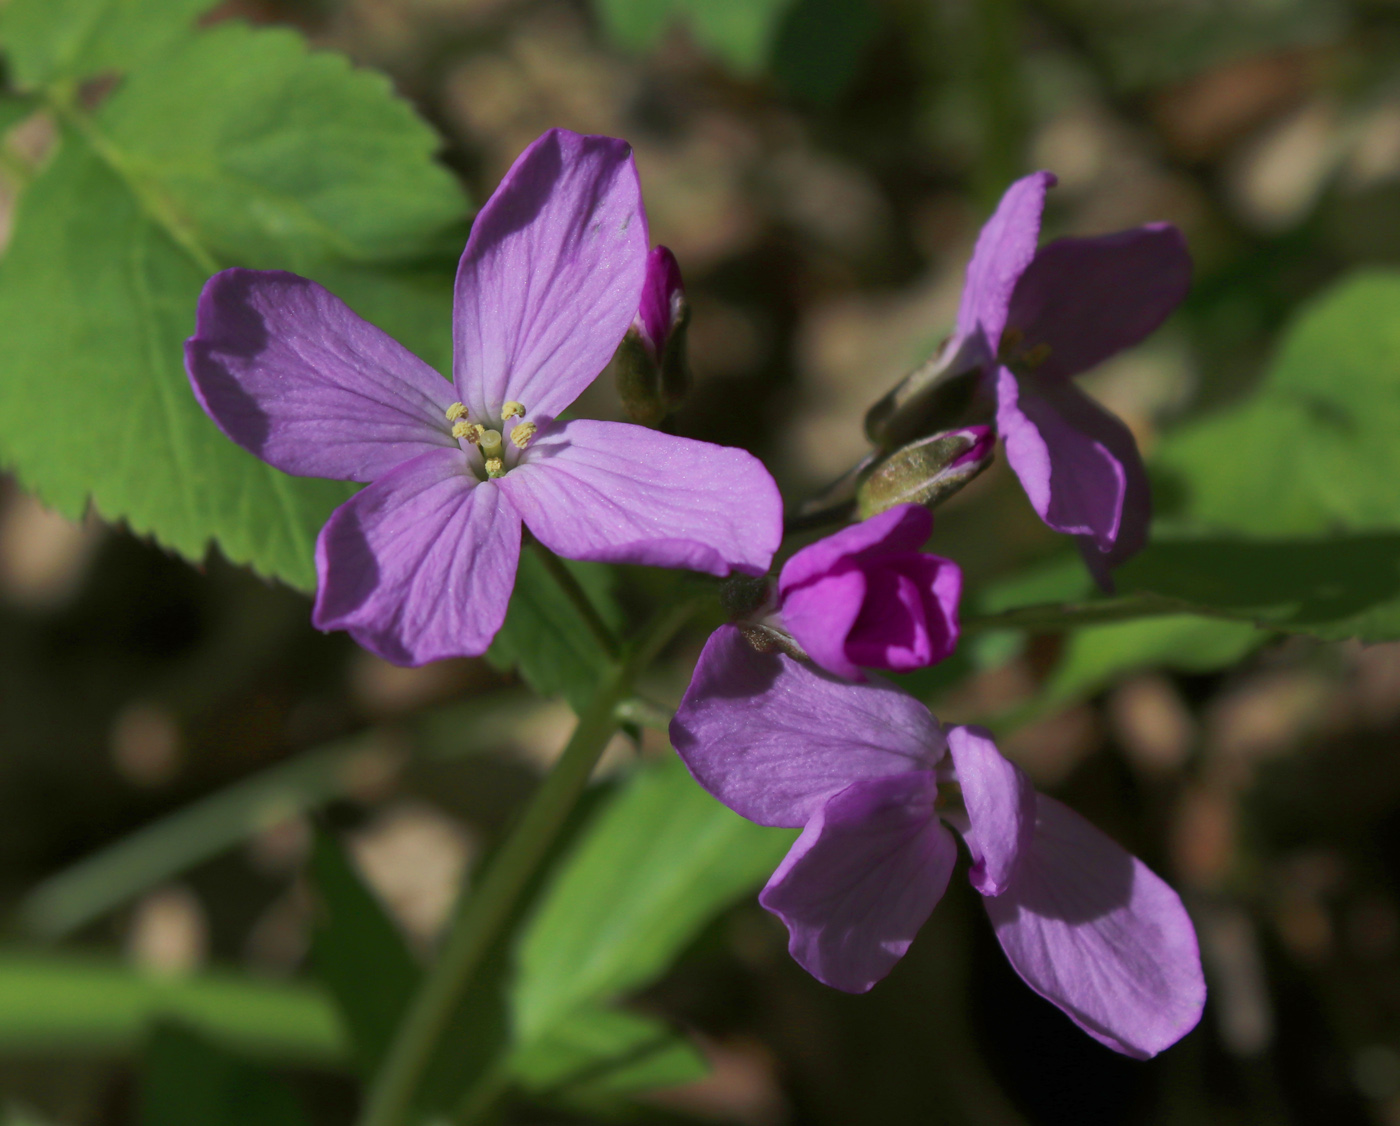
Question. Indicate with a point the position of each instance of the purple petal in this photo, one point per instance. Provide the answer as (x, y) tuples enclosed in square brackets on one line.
[(820, 616), (1004, 250), (905, 527), (773, 738), (1000, 804), (627, 494), (910, 617), (861, 880), (288, 372), (660, 292), (551, 276), (1092, 929), (1078, 464), (419, 565), (1086, 298)]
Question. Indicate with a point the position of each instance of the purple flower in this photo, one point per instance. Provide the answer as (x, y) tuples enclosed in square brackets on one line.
[(859, 768), (420, 564), (868, 596), (1036, 318)]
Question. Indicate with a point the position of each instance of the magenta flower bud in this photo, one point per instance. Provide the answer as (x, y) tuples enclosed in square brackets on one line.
[(663, 309), (928, 471), (867, 596), (653, 373)]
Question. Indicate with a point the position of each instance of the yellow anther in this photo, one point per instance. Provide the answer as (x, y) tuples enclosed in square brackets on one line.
[(465, 429), (456, 411), (490, 443), (512, 410), (1036, 356), (495, 467), (522, 434)]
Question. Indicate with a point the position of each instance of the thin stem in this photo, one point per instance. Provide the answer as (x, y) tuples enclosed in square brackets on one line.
[(576, 595), (484, 912), (1052, 617)]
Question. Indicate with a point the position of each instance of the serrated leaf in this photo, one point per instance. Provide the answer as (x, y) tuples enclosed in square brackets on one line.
[(237, 148), (189, 1079)]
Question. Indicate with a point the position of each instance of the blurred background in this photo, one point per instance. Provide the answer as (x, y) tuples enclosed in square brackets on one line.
[(820, 168)]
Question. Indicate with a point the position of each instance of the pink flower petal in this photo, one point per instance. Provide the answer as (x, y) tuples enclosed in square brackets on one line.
[(419, 565), (1000, 804), (626, 494), (551, 276), (288, 372), (773, 738), (820, 616), (905, 527), (1092, 929), (910, 617), (861, 880)]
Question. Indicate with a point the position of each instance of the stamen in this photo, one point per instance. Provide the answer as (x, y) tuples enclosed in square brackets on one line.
[(512, 410), (495, 467), (456, 411), (522, 434), (468, 430)]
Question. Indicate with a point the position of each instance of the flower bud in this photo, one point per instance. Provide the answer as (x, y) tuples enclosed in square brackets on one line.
[(653, 369), (928, 471), (939, 394)]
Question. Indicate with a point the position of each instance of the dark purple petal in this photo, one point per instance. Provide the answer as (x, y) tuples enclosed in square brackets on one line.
[(288, 372), (1084, 299), (773, 738), (820, 616), (1004, 250), (905, 527), (860, 881), (661, 292), (1078, 464), (910, 616), (1000, 804), (419, 565), (551, 276), (626, 494), (1092, 929)]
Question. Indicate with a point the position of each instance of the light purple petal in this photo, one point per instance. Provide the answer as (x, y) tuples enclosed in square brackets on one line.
[(1079, 464), (288, 372), (1091, 928), (618, 493), (863, 877), (910, 617), (1000, 804), (820, 615), (660, 293), (1086, 298), (551, 276), (1004, 250), (905, 527), (773, 738), (419, 565)]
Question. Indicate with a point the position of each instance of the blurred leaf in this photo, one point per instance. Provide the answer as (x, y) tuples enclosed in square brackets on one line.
[(741, 32), (358, 952), (1314, 449), (820, 45), (50, 1003), (659, 861), (13, 110), (53, 40), (544, 635), (189, 1080), (240, 147)]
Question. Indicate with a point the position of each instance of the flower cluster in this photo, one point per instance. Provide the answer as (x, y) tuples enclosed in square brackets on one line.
[(781, 721)]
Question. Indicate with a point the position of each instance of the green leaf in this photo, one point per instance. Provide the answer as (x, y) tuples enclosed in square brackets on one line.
[(358, 952), (191, 1080), (237, 148), (1314, 449), (65, 1004), (659, 861), (820, 46), (13, 110), (546, 638), (741, 32), (53, 40)]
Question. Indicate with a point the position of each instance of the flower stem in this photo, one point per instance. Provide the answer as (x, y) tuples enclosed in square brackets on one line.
[(576, 595), (1053, 617), (486, 910)]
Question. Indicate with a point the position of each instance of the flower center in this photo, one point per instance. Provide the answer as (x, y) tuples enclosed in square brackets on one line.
[(488, 439), (1011, 354)]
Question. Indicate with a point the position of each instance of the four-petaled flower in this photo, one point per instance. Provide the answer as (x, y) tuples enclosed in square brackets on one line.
[(859, 768), (867, 596), (1034, 318), (420, 564)]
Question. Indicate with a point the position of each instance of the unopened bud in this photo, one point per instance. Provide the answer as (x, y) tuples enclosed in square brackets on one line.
[(939, 394), (926, 472), (653, 368)]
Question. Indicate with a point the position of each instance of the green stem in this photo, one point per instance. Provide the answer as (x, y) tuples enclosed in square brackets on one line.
[(484, 912), (1053, 617), (575, 593)]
